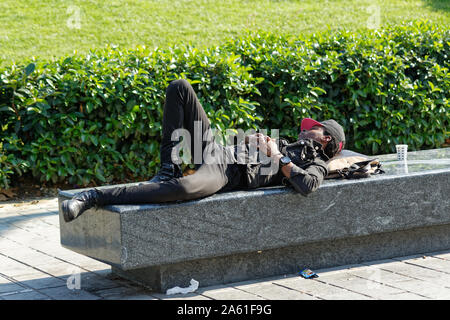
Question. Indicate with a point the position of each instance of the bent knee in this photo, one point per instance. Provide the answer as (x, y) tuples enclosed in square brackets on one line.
[(180, 83), (199, 188)]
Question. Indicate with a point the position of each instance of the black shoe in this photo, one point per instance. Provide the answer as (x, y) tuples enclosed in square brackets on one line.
[(168, 171), (79, 203)]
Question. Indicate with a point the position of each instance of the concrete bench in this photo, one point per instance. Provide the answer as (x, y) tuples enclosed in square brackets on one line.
[(243, 235)]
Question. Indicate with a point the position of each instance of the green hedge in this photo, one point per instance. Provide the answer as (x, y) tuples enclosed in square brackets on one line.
[(97, 118)]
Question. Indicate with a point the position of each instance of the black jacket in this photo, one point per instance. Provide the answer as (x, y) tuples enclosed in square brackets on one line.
[(307, 174)]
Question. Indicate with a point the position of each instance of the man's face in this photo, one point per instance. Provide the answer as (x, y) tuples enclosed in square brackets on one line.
[(315, 133)]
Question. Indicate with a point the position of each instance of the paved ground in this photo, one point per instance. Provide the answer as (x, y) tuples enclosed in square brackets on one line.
[(33, 265)]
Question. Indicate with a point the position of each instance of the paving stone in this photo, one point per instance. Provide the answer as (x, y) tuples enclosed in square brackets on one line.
[(319, 289), (406, 296), (26, 212), (63, 293), (417, 272), (4, 226), (11, 267), (30, 207), (227, 293), (79, 260), (7, 245), (61, 269), (441, 255), (271, 291), (51, 219), (335, 270), (45, 246), (31, 210), (49, 204), (187, 296), (32, 224), (27, 295), (39, 280), (124, 293), (118, 280), (25, 229), (53, 237), (45, 231), (429, 262), (406, 283), (32, 257), (9, 286), (95, 266), (367, 287), (138, 297), (9, 220), (90, 281), (13, 271), (21, 236), (8, 211)]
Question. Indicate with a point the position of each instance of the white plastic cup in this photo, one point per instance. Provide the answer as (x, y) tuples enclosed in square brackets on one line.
[(402, 151)]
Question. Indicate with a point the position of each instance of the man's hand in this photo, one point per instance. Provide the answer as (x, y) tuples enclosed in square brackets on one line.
[(270, 148), (267, 145)]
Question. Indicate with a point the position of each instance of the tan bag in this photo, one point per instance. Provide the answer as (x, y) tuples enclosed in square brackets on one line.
[(352, 165)]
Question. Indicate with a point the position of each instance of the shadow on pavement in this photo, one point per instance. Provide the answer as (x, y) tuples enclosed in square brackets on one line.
[(75, 285)]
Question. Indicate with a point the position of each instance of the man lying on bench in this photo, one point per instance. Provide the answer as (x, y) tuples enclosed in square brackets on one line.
[(301, 165)]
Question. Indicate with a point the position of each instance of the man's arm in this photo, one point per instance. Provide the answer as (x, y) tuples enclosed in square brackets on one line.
[(285, 169), (306, 180)]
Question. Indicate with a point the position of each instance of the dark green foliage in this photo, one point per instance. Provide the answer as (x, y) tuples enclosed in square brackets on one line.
[(97, 118)]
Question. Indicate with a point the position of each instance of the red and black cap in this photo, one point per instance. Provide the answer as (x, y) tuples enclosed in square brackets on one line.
[(333, 128)]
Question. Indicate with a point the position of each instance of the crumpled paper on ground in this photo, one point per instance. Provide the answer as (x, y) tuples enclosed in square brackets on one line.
[(191, 288)]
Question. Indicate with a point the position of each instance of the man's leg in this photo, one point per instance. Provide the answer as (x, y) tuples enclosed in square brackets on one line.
[(182, 109), (207, 180)]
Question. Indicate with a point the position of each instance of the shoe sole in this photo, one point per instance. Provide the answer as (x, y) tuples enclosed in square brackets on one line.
[(65, 211)]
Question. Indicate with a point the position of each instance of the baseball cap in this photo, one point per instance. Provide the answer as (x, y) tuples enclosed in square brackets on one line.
[(331, 126)]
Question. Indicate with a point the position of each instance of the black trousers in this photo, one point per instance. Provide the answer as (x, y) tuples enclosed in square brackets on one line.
[(181, 110)]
